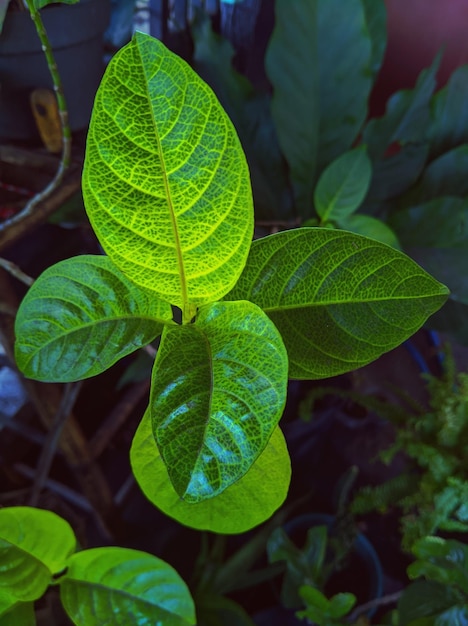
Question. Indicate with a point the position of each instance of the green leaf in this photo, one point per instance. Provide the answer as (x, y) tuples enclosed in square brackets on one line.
[(452, 319), (3, 9), (370, 227), (449, 265), (441, 560), (449, 124), (40, 4), (341, 604), (124, 587), (454, 616), (221, 611), (424, 599), (245, 504), (406, 117), (319, 62), (343, 185), (376, 19), (218, 391), (165, 181), (34, 545), (438, 223), (13, 613), (445, 176), (339, 300), (80, 317)]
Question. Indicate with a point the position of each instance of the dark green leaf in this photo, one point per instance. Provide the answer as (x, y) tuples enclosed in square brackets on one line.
[(218, 392), (449, 125), (339, 300), (406, 118), (446, 176), (441, 560), (80, 317), (376, 19), (424, 599), (3, 9), (221, 611), (247, 503), (452, 319), (39, 4), (449, 265), (124, 587), (343, 185), (34, 545), (341, 604)]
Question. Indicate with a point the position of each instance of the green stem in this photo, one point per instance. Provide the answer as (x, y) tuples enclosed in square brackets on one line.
[(63, 113)]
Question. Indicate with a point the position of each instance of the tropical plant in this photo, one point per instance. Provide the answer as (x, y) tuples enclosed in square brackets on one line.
[(167, 191), (97, 586)]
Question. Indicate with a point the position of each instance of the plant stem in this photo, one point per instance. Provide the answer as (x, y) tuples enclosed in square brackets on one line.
[(15, 271), (372, 604), (63, 113)]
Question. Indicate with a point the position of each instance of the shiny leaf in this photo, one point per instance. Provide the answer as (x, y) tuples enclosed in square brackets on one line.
[(245, 504), (165, 181), (80, 317), (216, 404), (124, 587), (340, 300), (343, 185), (34, 545)]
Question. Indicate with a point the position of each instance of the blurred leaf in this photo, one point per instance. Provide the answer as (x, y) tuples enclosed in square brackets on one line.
[(341, 604), (452, 319), (441, 560), (220, 611), (251, 116), (13, 613), (247, 503), (34, 545), (376, 19), (424, 599), (449, 123), (39, 4), (124, 587), (371, 227), (140, 369), (3, 9), (406, 117), (455, 616), (343, 185), (445, 176), (449, 265)]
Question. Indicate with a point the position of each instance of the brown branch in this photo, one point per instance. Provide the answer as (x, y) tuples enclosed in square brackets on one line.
[(15, 271)]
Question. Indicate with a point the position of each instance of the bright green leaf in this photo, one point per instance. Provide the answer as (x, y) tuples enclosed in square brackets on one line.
[(218, 391), (245, 504), (449, 124), (80, 317), (343, 185), (13, 613), (124, 587), (165, 182), (341, 604), (370, 227), (40, 4), (339, 300), (34, 545)]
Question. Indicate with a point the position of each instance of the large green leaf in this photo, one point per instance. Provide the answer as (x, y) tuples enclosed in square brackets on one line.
[(319, 62), (245, 504), (376, 20), (214, 610), (165, 181), (449, 124), (34, 545), (339, 300), (124, 587), (424, 599), (343, 185), (13, 613), (218, 391), (80, 317)]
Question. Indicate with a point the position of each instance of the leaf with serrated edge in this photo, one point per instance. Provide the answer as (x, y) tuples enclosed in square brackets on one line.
[(340, 300), (343, 185), (80, 317), (216, 404), (247, 503), (165, 182), (124, 587), (34, 545)]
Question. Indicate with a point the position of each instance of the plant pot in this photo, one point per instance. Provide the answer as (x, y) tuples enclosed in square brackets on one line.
[(76, 35)]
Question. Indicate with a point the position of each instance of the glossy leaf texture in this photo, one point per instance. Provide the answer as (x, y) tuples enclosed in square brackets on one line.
[(80, 317), (14, 613), (343, 185), (340, 300), (34, 545), (218, 391), (124, 587), (165, 182), (247, 503)]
